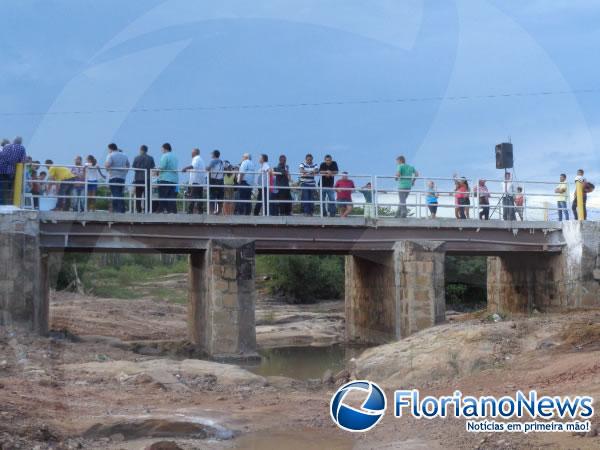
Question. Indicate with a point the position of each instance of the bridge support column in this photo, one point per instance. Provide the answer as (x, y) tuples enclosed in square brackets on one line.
[(23, 273), (422, 291), (390, 295), (222, 299)]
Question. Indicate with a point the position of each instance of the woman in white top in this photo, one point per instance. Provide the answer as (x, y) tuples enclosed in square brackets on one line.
[(92, 175)]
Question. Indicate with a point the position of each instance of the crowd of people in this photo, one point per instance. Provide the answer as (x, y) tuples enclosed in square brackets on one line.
[(232, 186)]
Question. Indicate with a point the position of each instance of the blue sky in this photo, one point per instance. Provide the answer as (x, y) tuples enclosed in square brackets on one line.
[(63, 56)]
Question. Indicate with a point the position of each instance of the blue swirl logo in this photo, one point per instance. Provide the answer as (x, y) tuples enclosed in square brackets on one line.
[(360, 419)]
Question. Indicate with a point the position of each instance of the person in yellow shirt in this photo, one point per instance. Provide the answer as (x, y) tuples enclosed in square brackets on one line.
[(64, 179), (562, 197)]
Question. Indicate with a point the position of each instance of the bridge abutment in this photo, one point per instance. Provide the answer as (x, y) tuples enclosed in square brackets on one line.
[(23, 273), (555, 282), (390, 295), (222, 298)]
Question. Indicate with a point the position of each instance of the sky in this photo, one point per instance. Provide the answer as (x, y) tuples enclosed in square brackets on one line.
[(441, 82)]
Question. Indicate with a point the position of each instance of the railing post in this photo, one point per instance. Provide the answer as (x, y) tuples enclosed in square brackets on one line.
[(263, 194), (208, 191), (374, 196), (85, 189), (476, 199), (320, 196)]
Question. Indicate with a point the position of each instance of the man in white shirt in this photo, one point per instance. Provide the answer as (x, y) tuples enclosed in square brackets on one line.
[(197, 183), (246, 182), (508, 199), (263, 182)]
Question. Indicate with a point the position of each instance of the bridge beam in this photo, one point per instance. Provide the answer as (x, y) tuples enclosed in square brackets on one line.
[(222, 299), (390, 295), (23, 273)]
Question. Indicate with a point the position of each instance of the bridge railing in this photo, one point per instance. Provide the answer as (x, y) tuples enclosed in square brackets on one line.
[(270, 193)]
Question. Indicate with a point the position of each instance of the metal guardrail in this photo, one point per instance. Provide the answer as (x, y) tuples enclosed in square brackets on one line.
[(150, 191)]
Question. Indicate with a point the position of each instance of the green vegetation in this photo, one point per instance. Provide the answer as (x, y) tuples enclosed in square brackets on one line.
[(304, 278), (466, 282), (118, 275), (297, 279)]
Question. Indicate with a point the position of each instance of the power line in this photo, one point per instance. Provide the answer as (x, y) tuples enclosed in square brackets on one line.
[(309, 104)]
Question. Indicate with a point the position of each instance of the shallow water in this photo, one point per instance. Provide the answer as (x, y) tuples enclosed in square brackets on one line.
[(303, 363), (293, 440)]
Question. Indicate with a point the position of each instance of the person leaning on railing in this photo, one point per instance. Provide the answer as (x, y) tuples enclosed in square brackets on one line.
[(92, 177), (63, 178)]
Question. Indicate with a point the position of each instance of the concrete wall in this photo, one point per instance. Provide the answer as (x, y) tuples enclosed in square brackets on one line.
[(390, 295), (23, 299), (222, 299), (520, 283)]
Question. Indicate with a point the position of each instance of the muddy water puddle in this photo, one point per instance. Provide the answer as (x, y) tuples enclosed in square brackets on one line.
[(303, 363)]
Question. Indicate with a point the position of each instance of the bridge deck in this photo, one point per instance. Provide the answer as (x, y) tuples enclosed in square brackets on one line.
[(184, 233)]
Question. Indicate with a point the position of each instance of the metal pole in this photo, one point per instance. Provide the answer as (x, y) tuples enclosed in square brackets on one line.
[(580, 195), (374, 196), (85, 189), (208, 192), (321, 196)]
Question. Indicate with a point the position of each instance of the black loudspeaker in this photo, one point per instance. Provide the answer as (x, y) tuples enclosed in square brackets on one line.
[(504, 156)]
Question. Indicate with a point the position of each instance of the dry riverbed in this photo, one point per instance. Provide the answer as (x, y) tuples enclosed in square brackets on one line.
[(117, 374)]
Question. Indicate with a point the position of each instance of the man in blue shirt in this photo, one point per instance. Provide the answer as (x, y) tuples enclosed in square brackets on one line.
[(246, 181), (117, 164), (168, 179), (10, 156)]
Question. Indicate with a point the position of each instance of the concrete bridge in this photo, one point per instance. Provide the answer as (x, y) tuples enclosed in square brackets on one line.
[(394, 268)]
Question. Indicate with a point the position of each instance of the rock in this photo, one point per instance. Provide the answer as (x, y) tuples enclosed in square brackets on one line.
[(593, 431), (342, 375), (327, 377), (117, 437), (164, 445), (166, 371)]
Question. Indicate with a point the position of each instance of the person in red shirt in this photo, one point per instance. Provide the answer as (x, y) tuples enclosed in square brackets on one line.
[(462, 197), (344, 188)]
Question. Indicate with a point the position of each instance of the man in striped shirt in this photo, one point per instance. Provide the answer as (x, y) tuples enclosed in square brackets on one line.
[(308, 170), (10, 156)]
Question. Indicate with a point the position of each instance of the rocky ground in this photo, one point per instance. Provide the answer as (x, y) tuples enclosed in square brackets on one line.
[(108, 378)]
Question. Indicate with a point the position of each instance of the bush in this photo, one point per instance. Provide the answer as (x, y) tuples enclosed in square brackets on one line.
[(305, 278), (466, 282)]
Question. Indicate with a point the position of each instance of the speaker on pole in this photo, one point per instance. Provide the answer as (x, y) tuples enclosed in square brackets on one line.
[(504, 156)]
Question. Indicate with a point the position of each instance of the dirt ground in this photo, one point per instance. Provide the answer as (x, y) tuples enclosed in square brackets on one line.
[(101, 382)]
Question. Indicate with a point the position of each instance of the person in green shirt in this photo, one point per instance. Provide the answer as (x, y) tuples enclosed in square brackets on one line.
[(168, 178), (405, 175)]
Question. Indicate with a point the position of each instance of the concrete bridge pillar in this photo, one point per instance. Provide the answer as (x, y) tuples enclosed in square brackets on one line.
[(390, 295), (519, 283), (222, 299), (23, 273)]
